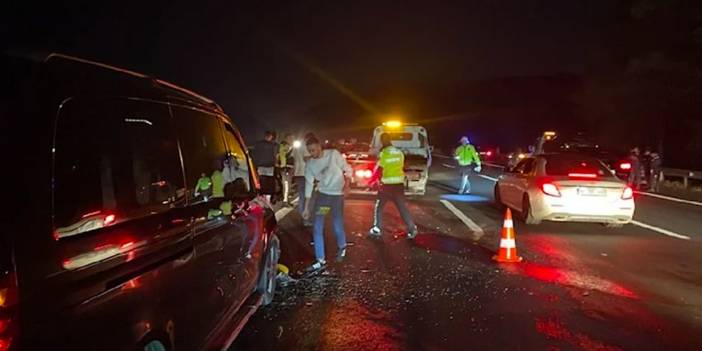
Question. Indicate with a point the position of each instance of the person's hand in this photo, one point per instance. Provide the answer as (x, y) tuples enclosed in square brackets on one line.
[(306, 214), (478, 169), (347, 185)]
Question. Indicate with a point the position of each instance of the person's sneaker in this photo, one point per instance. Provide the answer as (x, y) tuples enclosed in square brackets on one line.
[(412, 233), (316, 267), (374, 232), (341, 255)]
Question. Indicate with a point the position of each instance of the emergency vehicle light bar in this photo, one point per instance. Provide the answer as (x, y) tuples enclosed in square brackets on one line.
[(392, 124)]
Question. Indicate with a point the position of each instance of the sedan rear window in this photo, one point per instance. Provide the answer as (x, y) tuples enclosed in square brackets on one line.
[(564, 165)]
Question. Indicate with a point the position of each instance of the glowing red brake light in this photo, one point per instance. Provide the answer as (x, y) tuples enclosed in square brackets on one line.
[(628, 193), (109, 219), (625, 166), (489, 153), (550, 189), (9, 298), (582, 175), (364, 173), (5, 344)]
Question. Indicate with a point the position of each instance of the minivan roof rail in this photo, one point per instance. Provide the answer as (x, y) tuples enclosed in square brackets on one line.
[(160, 82)]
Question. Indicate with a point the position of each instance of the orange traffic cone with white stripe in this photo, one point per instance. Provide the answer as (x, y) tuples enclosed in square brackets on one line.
[(508, 245)]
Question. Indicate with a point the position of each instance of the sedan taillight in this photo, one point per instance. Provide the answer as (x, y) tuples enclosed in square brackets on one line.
[(628, 193), (550, 189)]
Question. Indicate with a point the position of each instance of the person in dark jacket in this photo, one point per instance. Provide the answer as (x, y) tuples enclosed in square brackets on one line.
[(264, 153), (636, 168), (655, 163)]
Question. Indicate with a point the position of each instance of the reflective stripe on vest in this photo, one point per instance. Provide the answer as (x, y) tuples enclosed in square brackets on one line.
[(393, 180)]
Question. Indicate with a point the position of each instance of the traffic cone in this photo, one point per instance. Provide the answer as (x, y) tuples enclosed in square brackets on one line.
[(508, 245)]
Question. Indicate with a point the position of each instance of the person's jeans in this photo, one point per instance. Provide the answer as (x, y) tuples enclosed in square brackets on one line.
[(300, 185), (322, 206), (392, 193), (465, 171)]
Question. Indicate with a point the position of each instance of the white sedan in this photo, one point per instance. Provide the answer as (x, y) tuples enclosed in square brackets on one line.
[(565, 188)]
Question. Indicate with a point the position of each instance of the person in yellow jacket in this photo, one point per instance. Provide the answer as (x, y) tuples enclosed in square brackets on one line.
[(468, 161), (390, 171)]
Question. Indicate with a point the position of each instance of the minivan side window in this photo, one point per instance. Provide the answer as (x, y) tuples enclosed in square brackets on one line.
[(204, 153), (237, 165), (114, 160)]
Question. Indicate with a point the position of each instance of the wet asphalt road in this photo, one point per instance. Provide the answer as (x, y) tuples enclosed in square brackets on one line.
[(581, 286)]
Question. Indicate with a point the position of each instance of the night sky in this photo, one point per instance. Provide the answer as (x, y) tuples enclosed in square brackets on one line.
[(338, 66)]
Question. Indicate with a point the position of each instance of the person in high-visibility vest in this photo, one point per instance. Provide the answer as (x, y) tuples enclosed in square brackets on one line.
[(390, 171), (468, 161), (203, 187)]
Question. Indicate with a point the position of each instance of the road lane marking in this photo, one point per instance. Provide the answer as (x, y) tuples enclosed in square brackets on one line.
[(448, 165), (689, 202), (442, 156), (477, 230), (487, 177), (660, 230)]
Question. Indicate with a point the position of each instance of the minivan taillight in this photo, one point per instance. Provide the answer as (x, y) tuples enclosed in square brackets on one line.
[(628, 193), (8, 309), (550, 189)]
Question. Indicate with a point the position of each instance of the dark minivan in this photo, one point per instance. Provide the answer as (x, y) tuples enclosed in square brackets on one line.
[(133, 214)]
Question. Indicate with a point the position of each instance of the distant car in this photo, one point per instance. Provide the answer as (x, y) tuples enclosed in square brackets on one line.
[(487, 153), (566, 188), (137, 220), (362, 161)]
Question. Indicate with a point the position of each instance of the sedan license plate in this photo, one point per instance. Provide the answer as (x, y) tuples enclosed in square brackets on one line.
[(413, 176), (585, 191)]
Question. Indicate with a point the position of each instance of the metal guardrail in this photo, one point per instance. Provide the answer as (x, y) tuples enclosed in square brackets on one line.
[(685, 174), (666, 173)]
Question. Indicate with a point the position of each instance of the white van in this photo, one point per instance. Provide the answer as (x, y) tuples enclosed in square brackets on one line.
[(412, 139)]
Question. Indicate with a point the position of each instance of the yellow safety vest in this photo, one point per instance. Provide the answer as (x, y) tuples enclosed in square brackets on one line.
[(392, 160)]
